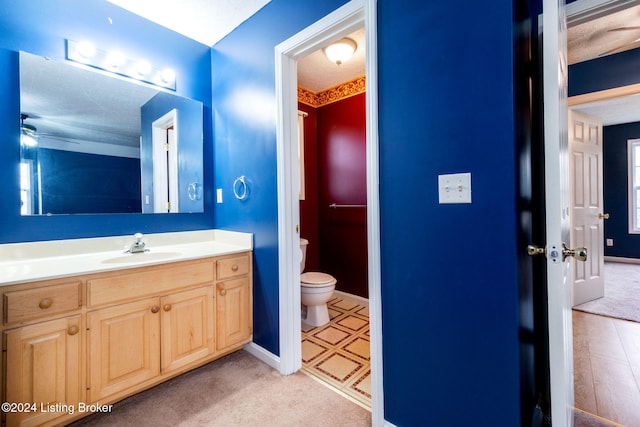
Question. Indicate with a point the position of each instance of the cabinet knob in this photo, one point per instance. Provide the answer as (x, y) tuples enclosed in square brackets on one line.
[(45, 303), (234, 267), (155, 309), (73, 329), (223, 292), (166, 307)]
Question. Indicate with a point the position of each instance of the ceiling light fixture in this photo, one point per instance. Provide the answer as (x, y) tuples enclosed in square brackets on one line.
[(28, 135), (119, 63), (340, 51)]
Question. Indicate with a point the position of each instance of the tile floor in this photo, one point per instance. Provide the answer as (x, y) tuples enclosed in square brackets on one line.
[(338, 353)]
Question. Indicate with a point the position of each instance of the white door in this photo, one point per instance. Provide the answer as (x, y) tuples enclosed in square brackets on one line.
[(557, 211), (587, 228)]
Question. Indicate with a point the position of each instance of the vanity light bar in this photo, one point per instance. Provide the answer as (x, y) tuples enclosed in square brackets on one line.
[(118, 63)]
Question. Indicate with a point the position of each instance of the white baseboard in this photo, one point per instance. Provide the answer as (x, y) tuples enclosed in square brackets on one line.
[(263, 355), (621, 259), (351, 298)]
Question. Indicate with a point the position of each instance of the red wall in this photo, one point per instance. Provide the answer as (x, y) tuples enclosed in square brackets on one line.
[(339, 246), (309, 223)]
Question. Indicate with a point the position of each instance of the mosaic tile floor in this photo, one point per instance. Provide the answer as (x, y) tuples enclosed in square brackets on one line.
[(338, 353)]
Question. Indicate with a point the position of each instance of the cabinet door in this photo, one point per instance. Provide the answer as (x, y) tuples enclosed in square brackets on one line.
[(124, 347), (233, 313), (43, 369), (187, 327)]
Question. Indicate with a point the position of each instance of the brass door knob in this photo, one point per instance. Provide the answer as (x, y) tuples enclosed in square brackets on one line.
[(166, 307), (580, 254), (533, 250), (603, 216), (155, 309)]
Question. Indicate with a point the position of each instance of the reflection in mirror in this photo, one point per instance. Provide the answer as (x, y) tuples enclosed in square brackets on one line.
[(92, 142)]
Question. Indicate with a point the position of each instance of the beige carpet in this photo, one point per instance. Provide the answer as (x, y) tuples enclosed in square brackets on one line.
[(621, 293), (237, 390)]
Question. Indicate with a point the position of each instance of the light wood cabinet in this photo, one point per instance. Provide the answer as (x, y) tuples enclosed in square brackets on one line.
[(187, 328), (43, 370), (233, 319), (123, 347), (105, 336)]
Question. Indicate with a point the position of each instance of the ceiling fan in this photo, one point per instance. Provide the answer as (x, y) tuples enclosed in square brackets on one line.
[(624, 46), (29, 133)]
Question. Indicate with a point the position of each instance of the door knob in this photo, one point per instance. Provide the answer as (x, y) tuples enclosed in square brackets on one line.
[(580, 254), (535, 250), (603, 216)]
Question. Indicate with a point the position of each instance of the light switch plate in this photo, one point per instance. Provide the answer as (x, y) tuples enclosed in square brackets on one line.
[(218, 195), (454, 188)]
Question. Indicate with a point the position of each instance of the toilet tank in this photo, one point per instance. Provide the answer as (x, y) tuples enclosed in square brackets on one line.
[(303, 253)]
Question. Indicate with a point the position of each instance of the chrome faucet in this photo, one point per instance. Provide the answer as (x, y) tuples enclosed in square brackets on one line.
[(137, 246)]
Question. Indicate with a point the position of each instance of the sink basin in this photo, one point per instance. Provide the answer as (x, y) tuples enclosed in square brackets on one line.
[(141, 257)]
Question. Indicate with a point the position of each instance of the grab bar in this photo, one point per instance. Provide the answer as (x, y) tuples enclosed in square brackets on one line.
[(335, 205)]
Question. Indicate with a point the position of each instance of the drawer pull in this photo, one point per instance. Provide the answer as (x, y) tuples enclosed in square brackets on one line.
[(45, 303), (73, 329), (166, 307), (155, 309), (234, 267), (223, 292)]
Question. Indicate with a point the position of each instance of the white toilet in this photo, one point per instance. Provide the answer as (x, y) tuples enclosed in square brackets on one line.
[(316, 290)]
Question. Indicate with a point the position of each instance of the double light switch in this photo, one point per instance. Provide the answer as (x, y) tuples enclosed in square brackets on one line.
[(454, 188)]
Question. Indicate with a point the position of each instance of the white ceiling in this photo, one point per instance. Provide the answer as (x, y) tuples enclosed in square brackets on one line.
[(206, 21)]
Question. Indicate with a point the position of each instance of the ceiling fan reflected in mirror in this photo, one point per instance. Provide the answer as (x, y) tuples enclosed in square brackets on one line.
[(28, 136)]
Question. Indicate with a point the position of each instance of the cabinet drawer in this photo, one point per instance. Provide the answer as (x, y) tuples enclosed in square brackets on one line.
[(20, 306), (127, 287), (232, 267)]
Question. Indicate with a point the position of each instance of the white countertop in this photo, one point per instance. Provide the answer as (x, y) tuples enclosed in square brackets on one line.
[(31, 261)]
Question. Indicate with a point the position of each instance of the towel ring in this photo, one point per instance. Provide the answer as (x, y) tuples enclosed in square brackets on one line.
[(192, 191), (240, 189)]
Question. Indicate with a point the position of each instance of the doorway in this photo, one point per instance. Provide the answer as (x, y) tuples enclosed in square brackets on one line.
[(345, 20), (560, 321)]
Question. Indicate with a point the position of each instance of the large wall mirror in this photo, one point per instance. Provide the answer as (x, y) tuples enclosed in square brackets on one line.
[(93, 142)]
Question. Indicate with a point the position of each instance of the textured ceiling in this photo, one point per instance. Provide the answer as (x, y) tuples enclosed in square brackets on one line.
[(607, 35), (317, 73)]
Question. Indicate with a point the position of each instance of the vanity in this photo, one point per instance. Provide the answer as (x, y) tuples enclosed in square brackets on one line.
[(95, 323)]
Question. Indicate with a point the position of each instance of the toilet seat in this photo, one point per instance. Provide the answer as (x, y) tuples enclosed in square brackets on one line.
[(316, 279)]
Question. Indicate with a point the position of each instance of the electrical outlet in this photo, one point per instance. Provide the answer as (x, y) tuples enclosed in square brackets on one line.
[(609, 242)]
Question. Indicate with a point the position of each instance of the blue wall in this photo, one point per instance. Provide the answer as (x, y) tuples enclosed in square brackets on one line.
[(449, 271), (604, 73), (450, 302), (616, 187), (88, 183), (49, 23)]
